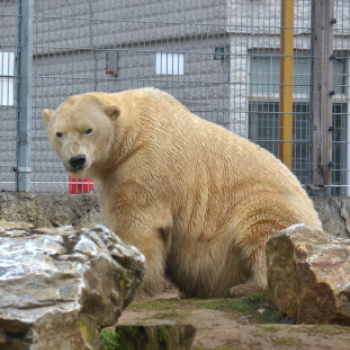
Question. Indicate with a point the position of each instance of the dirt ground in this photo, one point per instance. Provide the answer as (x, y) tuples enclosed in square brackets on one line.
[(233, 324)]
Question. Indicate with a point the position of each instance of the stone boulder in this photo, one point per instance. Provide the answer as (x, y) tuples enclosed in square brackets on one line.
[(309, 275), (59, 287)]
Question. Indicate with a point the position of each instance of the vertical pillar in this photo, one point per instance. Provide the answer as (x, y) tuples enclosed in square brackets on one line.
[(286, 83), (323, 92), (25, 67)]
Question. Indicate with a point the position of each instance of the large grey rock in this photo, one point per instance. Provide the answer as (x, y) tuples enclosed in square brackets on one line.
[(309, 275), (331, 212), (58, 287)]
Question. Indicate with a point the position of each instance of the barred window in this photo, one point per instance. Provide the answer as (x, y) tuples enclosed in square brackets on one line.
[(169, 63), (7, 67), (264, 118)]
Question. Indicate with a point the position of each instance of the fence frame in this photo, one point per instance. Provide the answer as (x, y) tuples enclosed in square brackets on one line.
[(323, 13), (25, 79)]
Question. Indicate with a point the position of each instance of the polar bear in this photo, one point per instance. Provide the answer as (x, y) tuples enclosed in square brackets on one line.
[(197, 200)]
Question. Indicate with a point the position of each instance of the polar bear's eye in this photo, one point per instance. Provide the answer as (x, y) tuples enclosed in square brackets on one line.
[(58, 134), (89, 131)]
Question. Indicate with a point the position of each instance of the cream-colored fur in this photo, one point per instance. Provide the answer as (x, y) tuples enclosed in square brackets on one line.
[(197, 200)]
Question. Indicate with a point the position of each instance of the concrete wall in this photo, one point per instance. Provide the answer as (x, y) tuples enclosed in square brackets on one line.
[(52, 210)]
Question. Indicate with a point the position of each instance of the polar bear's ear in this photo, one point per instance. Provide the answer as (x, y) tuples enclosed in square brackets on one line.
[(46, 115), (113, 112)]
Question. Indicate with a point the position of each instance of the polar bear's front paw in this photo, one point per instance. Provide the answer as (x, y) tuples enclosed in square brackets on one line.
[(244, 290)]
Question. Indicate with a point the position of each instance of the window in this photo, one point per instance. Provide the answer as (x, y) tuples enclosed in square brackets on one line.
[(169, 63), (340, 151), (7, 66), (266, 74), (264, 130), (264, 116)]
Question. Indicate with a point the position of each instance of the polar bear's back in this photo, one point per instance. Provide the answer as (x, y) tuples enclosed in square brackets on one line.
[(207, 164)]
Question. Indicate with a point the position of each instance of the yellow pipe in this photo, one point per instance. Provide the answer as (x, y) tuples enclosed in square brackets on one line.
[(286, 83)]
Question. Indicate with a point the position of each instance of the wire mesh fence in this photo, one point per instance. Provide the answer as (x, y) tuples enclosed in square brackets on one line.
[(220, 58)]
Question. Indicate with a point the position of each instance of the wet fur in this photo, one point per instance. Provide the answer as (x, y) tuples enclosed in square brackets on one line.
[(197, 200)]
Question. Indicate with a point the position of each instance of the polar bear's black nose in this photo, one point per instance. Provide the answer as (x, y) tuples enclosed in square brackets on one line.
[(77, 161)]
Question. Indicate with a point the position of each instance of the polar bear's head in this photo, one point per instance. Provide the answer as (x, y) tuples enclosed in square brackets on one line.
[(81, 131)]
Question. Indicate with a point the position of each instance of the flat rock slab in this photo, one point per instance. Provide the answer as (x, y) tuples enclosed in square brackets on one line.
[(58, 287), (309, 275), (155, 335)]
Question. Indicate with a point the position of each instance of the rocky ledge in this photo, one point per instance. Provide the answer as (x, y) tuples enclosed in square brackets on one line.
[(309, 275), (59, 287)]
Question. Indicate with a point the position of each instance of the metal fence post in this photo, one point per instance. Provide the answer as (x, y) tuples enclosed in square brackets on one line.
[(286, 82), (25, 67), (323, 91)]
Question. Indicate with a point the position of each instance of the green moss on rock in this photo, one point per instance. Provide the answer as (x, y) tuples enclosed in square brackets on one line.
[(155, 335)]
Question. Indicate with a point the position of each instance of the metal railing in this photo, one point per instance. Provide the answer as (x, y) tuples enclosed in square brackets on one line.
[(222, 59)]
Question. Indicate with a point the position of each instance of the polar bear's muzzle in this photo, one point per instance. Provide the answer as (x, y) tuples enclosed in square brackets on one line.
[(77, 162)]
